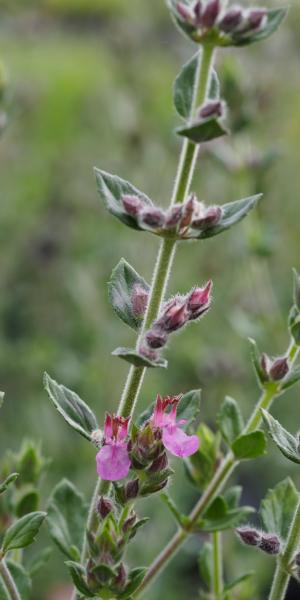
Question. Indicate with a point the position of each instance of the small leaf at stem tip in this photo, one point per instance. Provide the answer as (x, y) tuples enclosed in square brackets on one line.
[(123, 284), (139, 360), (75, 412), (10, 479), (250, 445), (23, 532), (278, 507), (230, 420), (203, 131), (285, 441)]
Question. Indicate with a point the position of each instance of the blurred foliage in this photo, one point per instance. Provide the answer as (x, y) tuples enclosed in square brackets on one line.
[(89, 83)]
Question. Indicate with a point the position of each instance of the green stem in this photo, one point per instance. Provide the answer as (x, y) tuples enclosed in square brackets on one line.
[(282, 575), (9, 582), (216, 485), (217, 583)]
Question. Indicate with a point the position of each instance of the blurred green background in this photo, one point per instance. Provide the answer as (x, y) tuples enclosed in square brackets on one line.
[(88, 82)]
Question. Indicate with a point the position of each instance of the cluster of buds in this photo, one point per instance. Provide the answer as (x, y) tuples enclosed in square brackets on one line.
[(179, 218), (267, 542), (144, 451), (174, 316), (236, 22), (274, 370), (105, 572)]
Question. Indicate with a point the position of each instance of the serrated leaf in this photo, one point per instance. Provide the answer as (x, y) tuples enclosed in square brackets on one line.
[(120, 290), (75, 412), (278, 508), (250, 445), (205, 563), (21, 579), (233, 213), (23, 532), (77, 573), (285, 441), (67, 514), (230, 420), (138, 360), (203, 131), (111, 189), (10, 479), (274, 19)]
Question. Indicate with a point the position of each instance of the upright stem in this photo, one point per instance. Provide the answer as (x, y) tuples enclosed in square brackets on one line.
[(282, 575), (9, 582), (217, 582), (216, 485)]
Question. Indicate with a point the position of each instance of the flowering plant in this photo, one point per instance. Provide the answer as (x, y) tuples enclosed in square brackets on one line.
[(132, 452)]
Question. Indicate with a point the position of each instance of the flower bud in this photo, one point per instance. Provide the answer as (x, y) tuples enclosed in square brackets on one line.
[(211, 217), (105, 506), (132, 204), (129, 522), (159, 464), (212, 109), (270, 544), (231, 20), (132, 489), (185, 12), (188, 211), (279, 369), (249, 536), (139, 300), (174, 316), (156, 338), (173, 216), (210, 14), (121, 578), (199, 300), (198, 12), (153, 217), (256, 18)]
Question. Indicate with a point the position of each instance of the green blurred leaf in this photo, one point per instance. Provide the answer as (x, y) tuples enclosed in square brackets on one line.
[(205, 563), (120, 290), (37, 562), (138, 360), (23, 532), (278, 508), (111, 189), (232, 213), (230, 420), (203, 131), (219, 518), (200, 467), (217, 509), (67, 514), (232, 496), (27, 501), (136, 577), (274, 19), (250, 445), (189, 406), (238, 581), (256, 361), (21, 579), (75, 412), (285, 441), (291, 379), (10, 479), (77, 573)]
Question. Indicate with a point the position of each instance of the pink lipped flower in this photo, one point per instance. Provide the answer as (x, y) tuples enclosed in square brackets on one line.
[(113, 462), (174, 438)]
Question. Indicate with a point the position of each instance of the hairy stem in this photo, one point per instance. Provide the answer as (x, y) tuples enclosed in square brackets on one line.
[(217, 583), (216, 485), (282, 575), (9, 582)]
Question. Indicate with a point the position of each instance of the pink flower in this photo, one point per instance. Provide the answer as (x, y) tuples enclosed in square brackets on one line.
[(173, 438), (113, 462)]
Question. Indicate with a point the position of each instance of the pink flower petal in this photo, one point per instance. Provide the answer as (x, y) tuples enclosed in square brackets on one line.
[(178, 442), (113, 462)]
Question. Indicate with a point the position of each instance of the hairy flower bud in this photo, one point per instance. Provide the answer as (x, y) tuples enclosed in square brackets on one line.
[(199, 301), (279, 369), (188, 211), (231, 20), (249, 536), (270, 544), (139, 300), (173, 216), (212, 109), (159, 464), (156, 338), (174, 316), (104, 507), (210, 14), (132, 204), (153, 217), (211, 216), (132, 489), (198, 12), (121, 578), (185, 12), (256, 18), (130, 521)]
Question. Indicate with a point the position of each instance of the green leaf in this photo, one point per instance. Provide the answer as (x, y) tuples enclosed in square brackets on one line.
[(75, 412), (285, 441), (38, 561), (217, 509), (200, 467), (136, 577), (184, 86), (23, 532), (236, 582), (205, 563), (77, 573), (120, 290), (111, 189), (256, 361), (138, 360), (274, 19), (203, 131), (189, 406), (232, 496), (167, 500), (219, 517), (250, 445), (67, 514), (233, 213), (21, 579), (28, 501), (291, 379), (230, 420), (278, 508), (10, 479)]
